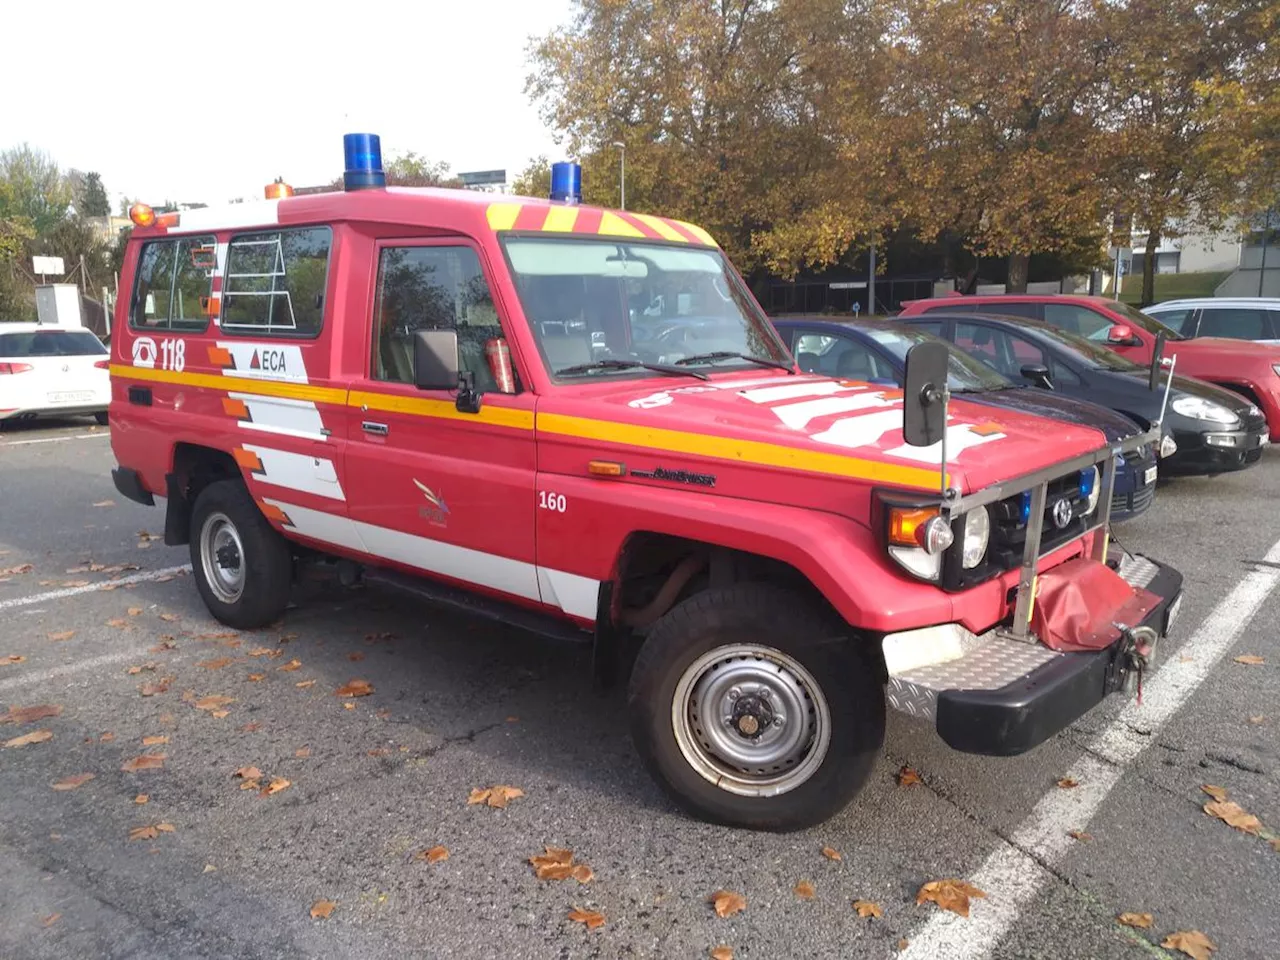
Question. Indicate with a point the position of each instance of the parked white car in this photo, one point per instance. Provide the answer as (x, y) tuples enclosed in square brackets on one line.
[(1238, 318), (52, 371)]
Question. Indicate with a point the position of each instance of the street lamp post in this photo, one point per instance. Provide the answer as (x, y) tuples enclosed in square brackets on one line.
[(622, 174)]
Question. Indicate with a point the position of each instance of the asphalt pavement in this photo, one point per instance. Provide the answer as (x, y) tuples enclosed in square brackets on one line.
[(107, 626)]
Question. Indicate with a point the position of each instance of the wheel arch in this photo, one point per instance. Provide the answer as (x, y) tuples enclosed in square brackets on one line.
[(193, 467)]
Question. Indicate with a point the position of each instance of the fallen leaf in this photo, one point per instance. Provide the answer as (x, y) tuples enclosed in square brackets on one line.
[(1191, 942), (50, 920), (145, 536), (137, 669), (1275, 844), (902, 944), (949, 894), (1218, 793), (377, 752), (105, 503), (143, 833), (209, 868), (554, 864), (1251, 659), (21, 715), (1066, 783), (148, 761), (151, 688), (165, 644), (256, 677), (908, 777), (250, 727), (348, 706), (727, 902), (831, 854), (498, 796), (1140, 920), (1259, 719), (117, 622), (155, 740), (247, 773), (355, 688), (14, 571), (1080, 835), (435, 854), (304, 684), (64, 635), (1234, 815), (721, 952), (165, 827), (867, 908), (804, 890), (302, 753), (582, 873), (35, 736), (219, 714), (141, 798), (213, 702), (275, 786), (164, 579), (106, 737), (134, 611), (321, 909), (251, 785), (70, 783), (76, 583), (170, 617), (286, 637), (591, 918), (11, 658), (217, 636), (355, 657), (291, 665), (217, 664)]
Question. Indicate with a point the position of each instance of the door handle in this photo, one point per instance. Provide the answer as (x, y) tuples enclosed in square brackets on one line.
[(379, 429)]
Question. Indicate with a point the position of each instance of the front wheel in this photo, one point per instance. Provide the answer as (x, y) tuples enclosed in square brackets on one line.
[(243, 567), (754, 709)]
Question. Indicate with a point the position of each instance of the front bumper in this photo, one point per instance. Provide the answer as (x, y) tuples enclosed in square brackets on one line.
[(1216, 451), (1004, 697)]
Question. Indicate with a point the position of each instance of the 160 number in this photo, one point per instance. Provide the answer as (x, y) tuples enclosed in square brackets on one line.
[(552, 501)]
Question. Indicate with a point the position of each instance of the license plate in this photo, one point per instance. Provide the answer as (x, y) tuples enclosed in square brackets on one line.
[(71, 396), (1150, 475)]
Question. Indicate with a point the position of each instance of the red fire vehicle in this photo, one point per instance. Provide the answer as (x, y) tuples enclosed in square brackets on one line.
[(578, 420)]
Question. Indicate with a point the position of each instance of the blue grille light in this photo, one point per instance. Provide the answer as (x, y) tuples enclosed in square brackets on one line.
[(363, 155), (1024, 505), (1087, 479), (566, 182)]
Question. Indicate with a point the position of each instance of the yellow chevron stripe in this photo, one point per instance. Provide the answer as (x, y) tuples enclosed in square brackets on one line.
[(698, 232), (502, 216), (612, 225), (663, 228), (561, 219)]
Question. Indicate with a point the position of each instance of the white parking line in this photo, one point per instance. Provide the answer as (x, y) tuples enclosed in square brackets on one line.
[(93, 587), (35, 677), (1013, 875), (78, 436)]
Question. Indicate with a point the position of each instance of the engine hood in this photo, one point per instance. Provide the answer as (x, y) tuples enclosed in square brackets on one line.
[(1046, 403), (810, 424)]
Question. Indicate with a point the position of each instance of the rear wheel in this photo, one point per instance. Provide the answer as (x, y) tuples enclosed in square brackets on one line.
[(243, 567), (755, 710)]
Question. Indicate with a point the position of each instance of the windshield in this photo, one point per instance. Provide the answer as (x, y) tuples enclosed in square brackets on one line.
[(1089, 353), (51, 343), (1137, 318), (599, 308), (965, 374)]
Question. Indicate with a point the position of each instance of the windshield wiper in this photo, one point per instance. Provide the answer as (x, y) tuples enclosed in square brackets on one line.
[(614, 364), (729, 354)]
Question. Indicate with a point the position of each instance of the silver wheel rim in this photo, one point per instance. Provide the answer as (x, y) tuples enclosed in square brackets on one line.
[(222, 557), (751, 720)]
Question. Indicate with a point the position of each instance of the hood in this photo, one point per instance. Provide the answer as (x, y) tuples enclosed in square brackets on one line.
[(1058, 406), (815, 425)]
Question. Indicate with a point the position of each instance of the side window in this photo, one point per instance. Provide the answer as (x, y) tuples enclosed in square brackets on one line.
[(932, 326), (153, 283), (1179, 320), (980, 341), (1025, 352), (809, 351), (432, 288), (1237, 323), (1063, 375), (1078, 320), (171, 289), (275, 282), (1010, 309), (851, 360)]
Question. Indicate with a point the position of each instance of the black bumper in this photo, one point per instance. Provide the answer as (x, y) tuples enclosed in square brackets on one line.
[(129, 483), (1197, 456), (1024, 714)]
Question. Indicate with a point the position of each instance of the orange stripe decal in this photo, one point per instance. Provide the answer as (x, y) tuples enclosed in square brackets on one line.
[(220, 356), (235, 408), (274, 513), (247, 459)]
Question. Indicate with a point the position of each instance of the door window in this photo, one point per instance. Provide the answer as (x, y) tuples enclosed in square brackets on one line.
[(1180, 321), (1078, 320), (433, 288), (1003, 352), (172, 284), (843, 358), (1237, 323)]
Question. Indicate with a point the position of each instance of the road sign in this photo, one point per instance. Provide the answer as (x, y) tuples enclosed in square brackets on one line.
[(47, 265), (479, 178)]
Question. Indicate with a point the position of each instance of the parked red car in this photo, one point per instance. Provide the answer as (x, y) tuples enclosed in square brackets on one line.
[(1248, 368)]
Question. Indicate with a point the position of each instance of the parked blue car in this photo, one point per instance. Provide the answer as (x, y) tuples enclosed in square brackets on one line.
[(876, 351)]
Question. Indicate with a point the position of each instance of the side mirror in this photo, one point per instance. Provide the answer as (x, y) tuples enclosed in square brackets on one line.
[(924, 395), (436, 367), (1038, 374), (1122, 336)]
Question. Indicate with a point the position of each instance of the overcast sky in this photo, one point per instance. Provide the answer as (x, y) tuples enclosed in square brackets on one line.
[(191, 101)]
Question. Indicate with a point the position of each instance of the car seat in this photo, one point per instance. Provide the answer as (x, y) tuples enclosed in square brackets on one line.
[(854, 364), (808, 362)]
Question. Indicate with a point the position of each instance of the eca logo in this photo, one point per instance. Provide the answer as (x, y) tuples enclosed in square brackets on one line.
[(144, 352)]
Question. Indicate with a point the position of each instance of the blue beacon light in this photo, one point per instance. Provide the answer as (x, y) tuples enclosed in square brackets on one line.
[(363, 155), (566, 182)]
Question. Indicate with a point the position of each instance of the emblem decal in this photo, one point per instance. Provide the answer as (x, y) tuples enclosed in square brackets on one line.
[(1062, 513), (437, 511)]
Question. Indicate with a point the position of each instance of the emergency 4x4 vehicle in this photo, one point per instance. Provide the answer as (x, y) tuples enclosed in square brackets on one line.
[(578, 420)]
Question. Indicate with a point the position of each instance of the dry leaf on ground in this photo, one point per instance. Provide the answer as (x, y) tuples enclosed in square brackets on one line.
[(166, 643), (727, 902), (1191, 942), (141, 798), (346, 706), (134, 611), (107, 737), (219, 714), (50, 920), (1140, 920), (498, 796), (591, 918), (804, 890), (215, 664), (70, 783), (355, 656), (867, 908), (1218, 793), (582, 873), (355, 688), (1080, 835), (135, 670), (104, 503), (908, 777), (13, 571), (10, 659), (302, 753), (1259, 719), (256, 677), (155, 740), (292, 665), (304, 684), (1251, 659), (949, 894), (721, 952), (22, 715), (214, 702), (117, 622), (275, 786), (321, 909), (1234, 815), (64, 635), (556, 863), (247, 773), (1066, 783), (262, 652), (148, 761), (153, 687), (36, 736), (170, 617), (143, 833), (435, 854), (831, 854)]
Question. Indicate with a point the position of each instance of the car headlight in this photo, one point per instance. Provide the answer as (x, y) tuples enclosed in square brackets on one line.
[(1168, 446), (1090, 488), (977, 531), (918, 536), (1197, 408)]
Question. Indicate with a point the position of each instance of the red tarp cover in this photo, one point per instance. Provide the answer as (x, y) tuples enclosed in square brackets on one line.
[(1078, 603)]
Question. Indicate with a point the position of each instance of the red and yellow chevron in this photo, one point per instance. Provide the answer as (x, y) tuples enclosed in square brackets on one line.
[(548, 218)]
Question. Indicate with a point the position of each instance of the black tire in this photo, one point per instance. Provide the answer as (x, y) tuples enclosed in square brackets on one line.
[(765, 616), (265, 561), (101, 418)]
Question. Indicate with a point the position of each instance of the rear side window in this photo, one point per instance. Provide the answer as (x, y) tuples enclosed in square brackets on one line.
[(1081, 321), (51, 343), (172, 285), (1239, 324), (275, 282)]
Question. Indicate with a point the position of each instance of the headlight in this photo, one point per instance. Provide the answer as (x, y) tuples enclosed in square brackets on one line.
[(977, 531), (1090, 488), (1197, 408), (1168, 446), (918, 536)]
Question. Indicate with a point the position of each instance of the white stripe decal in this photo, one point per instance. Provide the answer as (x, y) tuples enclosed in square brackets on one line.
[(297, 471), (575, 595), (797, 415), (265, 361), (862, 431), (804, 388), (282, 415)]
